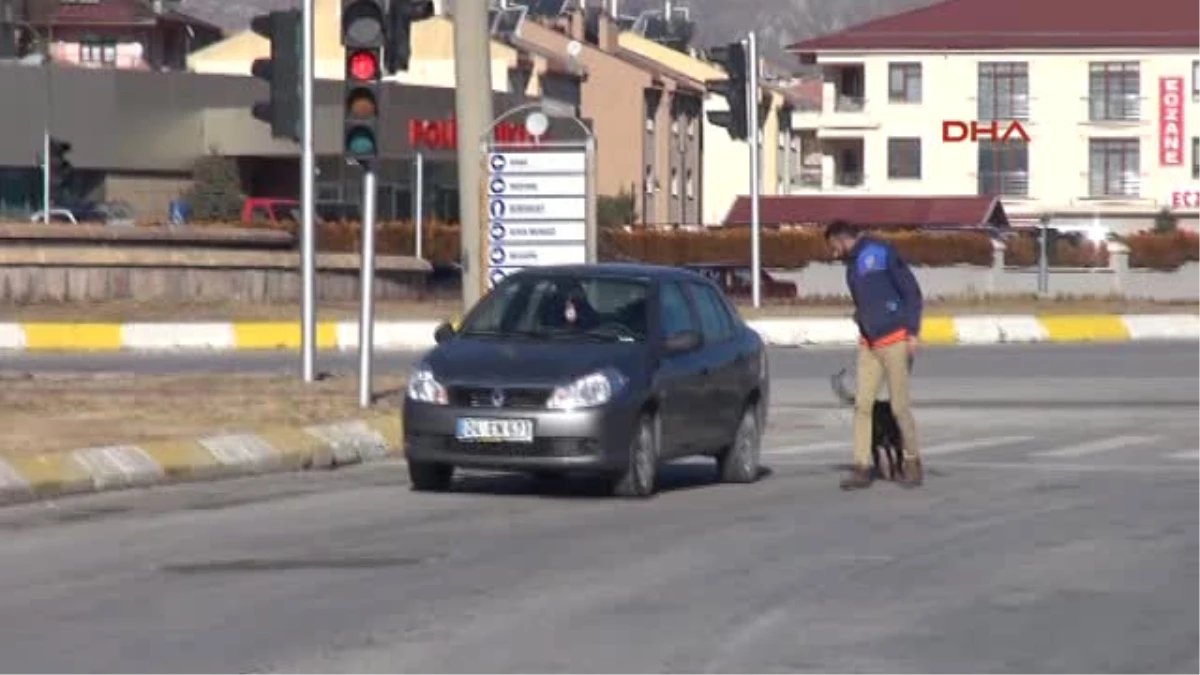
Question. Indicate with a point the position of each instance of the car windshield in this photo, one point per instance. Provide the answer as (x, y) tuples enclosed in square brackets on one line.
[(562, 307)]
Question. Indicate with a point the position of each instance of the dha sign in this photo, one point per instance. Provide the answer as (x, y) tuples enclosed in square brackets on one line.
[(957, 131)]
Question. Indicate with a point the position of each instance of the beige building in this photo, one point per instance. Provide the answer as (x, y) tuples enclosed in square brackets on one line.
[(1111, 108)]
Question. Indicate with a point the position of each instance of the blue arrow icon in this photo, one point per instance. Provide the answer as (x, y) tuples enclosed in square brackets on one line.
[(498, 162), (497, 256), (497, 208), (497, 231), (498, 186)]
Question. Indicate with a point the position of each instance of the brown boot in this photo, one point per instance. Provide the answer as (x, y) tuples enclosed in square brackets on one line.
[(859, 477), (911, 473)]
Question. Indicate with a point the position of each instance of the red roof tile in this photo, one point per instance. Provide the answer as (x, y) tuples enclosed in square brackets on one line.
[(871, 211), (986, 24)]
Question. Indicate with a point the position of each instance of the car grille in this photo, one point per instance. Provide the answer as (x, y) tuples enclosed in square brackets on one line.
[(481, 397), (541, 447)]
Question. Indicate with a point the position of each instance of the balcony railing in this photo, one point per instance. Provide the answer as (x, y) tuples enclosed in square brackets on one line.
[(849, 104), (1004, 183), (808, 177), (1007, 108), (848, 179), (1124, 108), (1114, 187)]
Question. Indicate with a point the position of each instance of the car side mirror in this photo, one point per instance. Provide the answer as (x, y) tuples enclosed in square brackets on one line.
[(444, 332), (682, 342)]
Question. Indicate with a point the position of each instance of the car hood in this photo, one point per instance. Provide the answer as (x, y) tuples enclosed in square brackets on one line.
[(531, 362)]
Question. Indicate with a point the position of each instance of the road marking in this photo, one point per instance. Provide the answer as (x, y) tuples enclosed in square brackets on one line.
[(808, 448), (976, 444), (1093, 447), (1191, 455), (1030, 466)]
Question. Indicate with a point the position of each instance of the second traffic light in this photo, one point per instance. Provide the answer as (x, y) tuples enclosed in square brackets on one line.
[(61, 170), (733, 89), (364, 35), (402, 14), (281, 71)]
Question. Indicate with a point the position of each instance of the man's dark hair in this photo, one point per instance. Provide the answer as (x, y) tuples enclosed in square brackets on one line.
[(840, 228)]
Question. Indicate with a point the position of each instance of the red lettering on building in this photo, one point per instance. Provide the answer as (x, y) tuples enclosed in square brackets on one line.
[(957, 131), (1170, 121), (443, 134), (1185, 199)]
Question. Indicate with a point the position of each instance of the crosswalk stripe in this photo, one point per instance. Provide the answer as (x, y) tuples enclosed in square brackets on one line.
[(1192, 455), (976, 444), (1095, 446), (808, 448)]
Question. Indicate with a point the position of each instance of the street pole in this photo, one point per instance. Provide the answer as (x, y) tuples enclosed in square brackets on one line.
[(752, 136), (46, 170), (308, 234), (1044, 257), (419, 203), (473, 112), (366, 317)]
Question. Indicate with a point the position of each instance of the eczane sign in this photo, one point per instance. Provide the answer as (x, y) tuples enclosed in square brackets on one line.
[(1170, 121)]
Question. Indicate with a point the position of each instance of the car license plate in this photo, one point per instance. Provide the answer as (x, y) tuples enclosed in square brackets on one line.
[(494, 430)]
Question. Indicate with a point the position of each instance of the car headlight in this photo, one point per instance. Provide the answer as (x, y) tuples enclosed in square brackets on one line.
[(424, 387), (588, 391)]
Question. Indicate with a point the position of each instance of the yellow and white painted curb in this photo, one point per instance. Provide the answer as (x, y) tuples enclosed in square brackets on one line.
[(402, 335), (118, 467)]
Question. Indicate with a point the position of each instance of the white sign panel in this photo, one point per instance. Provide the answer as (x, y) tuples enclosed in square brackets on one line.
[(504, 163), (551, 231), (537, 186), (526, 255), (537, 208)]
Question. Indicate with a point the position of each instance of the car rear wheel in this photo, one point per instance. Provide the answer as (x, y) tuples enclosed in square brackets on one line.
[(640, 479), (430, 477), (739, 462)]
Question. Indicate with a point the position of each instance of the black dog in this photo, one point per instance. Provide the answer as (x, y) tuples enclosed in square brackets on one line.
[(886, 441)]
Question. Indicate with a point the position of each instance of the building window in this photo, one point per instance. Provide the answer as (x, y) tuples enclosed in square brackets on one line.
[(904, 157), (1003, 91), (674, 182), (691, 126), (1114, 91), (649, 180), (1195, 157), (1196, 80), (1114, 167), (1003, 168), (904, 82), (98, 51), (691, 185)]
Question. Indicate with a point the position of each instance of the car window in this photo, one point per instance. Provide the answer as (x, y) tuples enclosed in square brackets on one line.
[(562, 307), (715, 322), (675, 312)]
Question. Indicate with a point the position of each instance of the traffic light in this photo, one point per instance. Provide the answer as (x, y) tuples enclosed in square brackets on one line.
[(61, 170), (281, 71), (733, 89), (364, 35), (401, 16)]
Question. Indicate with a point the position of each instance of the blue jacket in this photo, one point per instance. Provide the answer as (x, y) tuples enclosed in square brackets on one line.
[(887, 298)]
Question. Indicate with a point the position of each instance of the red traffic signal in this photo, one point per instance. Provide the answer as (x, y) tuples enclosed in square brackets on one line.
[(363, 65)]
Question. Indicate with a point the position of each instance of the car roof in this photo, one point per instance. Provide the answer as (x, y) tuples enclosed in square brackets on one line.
[(621, 270)]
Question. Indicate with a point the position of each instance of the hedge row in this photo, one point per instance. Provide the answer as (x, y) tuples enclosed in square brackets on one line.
[(789, 248)]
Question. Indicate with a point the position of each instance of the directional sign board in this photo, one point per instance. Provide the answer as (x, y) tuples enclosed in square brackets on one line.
[(537, 210)]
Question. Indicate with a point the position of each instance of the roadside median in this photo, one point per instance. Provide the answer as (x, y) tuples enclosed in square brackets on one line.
[(70, 434)]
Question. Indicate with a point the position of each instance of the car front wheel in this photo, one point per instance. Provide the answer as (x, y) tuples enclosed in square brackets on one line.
[(430, 477), (640, 478), (739, 462)]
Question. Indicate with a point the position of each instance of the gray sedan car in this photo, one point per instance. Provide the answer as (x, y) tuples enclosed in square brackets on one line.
[(611, 369)]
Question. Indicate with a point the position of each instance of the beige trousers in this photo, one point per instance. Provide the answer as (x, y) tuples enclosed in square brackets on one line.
[(875, 365)]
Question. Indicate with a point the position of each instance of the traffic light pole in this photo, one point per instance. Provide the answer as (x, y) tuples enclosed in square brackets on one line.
[(473, 112), (308, 235), (366, 317), (419, 205), (46, 175), (755, 166)]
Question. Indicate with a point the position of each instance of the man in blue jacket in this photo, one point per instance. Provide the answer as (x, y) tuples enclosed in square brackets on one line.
[(887, 309)]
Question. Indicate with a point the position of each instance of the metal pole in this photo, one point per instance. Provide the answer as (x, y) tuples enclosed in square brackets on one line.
[(308, 234), (1044, 257), (419, 204), (366, 317), (46, 172), (473, 112), (752, 117)]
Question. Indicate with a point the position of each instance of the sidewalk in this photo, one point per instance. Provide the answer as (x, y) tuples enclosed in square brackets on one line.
[(84, 433), (405, 326)]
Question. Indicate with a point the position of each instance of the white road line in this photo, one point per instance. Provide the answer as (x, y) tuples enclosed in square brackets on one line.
[(1011, 466), (1093, 447), (1191, 455), (976, 444), (808, 448)]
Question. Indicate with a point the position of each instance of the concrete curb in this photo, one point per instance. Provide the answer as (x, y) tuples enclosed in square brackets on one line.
[(396, 335), (268, 450)]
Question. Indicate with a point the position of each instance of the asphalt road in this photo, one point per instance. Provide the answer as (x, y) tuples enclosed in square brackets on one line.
[(1056, 532)]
